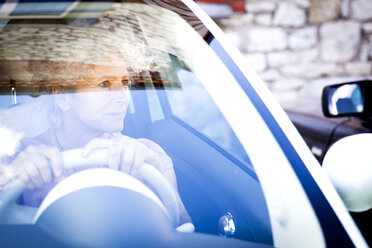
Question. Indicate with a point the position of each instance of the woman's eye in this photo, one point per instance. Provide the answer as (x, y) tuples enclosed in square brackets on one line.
[(125, 82), (105, 84)]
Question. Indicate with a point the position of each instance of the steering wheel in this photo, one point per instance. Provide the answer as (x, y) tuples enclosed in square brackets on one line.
[(12, 213)]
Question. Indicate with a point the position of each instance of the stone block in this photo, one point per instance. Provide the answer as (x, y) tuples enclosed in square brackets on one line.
[(266, 39), (361, 9), (288, 84), (339, 40), (345, 8), (263, 19), (284, 97), (236, 20), (303, 38), (278, 59), (321, 11), (289, 15), (270, 75), (312, 70), (359, 68), (260, 6)]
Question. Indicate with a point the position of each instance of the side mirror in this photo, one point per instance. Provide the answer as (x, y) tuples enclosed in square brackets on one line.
[(348, 164), (347, 99)]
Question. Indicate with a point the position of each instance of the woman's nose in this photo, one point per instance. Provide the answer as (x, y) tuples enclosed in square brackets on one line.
[(120, 94)]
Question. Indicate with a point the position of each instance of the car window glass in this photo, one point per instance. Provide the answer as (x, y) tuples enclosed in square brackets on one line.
[(202, 114), (102, 69), (105, 71)]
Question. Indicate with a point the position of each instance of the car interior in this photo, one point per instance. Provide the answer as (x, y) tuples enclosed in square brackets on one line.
[(212, 181)]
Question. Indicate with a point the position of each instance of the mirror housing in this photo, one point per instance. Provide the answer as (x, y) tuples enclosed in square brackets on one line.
[(348, 99), (348, 164)]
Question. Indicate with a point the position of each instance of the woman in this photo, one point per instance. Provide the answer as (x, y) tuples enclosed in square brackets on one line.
[(90, 98)]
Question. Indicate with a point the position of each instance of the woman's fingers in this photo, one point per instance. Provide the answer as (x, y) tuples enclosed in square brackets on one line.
[(127, 158), (115, 153), (26, 180), (27, 170), (96, 144), (42, 165), (35, 165), (18, 166), (115, 150), (55, 160), (139, 159), (140, 154), (152, 158), (33, 174), (125, 153)]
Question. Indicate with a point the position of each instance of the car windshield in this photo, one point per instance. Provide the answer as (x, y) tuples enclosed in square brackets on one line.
[(102, 75)]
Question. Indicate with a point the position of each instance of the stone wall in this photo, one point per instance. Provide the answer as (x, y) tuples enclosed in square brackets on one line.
[(298, 46)]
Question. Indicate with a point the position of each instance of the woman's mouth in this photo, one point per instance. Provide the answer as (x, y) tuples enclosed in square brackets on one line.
[(115, 114)]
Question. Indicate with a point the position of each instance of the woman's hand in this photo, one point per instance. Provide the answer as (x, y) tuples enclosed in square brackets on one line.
[(128, 154), (37, 165), (125, 154)]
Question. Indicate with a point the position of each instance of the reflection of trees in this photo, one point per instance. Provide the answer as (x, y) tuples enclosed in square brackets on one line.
[(147, 37)]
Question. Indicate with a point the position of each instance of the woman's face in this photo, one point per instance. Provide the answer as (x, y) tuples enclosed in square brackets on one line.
[(101, 99)]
